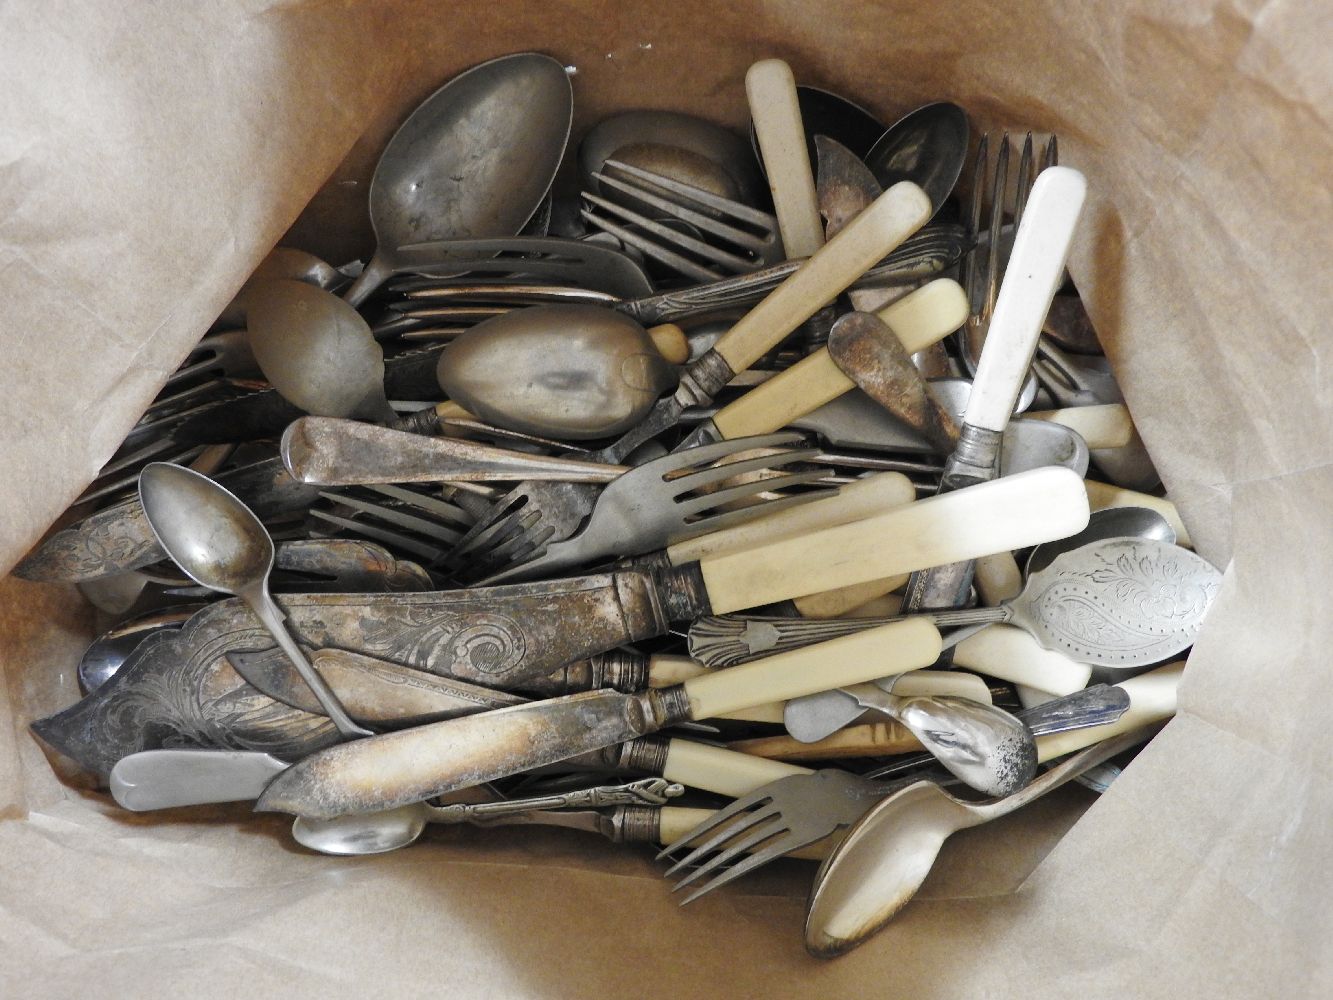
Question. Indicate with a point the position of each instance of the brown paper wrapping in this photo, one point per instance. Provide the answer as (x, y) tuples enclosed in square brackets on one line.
[(151, 155)]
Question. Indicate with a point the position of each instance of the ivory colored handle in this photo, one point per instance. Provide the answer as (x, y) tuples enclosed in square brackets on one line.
[(997, 577), (869, 740), (1006, 513), (1035, 270), (837, 602), (675, 822), (851, 659), (919, 319), (884, 606), (1102, 496), (665, 670), (1152, 698), (726, 772), (1011, 654), (888, 221), (927, 315), (1107, 425), (776, 113), (451, 410), (788, 395), (863, 498), (671, 343)]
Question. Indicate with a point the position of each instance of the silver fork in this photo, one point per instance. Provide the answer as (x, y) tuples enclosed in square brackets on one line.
[(984, 265), (662, 502), (646, 506), (737, 238), (410, 521), (776, 819)]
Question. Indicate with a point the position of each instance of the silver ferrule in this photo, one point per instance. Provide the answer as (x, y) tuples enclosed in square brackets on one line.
[(636, 824), (667, 706), (975, 458), (703, 379), (620, 669), (647, 754)]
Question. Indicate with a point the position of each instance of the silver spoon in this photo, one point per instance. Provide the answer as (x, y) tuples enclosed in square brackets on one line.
[(983, 746), (927, 146), (475, 159), (381, 832), (1114, 522), (108, 652), (878, 867), (217, 540), (317, 351)]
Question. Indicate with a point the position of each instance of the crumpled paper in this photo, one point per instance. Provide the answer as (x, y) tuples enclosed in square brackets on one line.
[(153, 154)]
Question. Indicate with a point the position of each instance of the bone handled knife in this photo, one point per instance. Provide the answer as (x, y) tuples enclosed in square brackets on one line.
[(400, 768)]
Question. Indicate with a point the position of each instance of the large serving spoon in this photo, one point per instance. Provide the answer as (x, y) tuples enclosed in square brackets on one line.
[(219, 543), (880, 864), (475, 159), (317, 351)]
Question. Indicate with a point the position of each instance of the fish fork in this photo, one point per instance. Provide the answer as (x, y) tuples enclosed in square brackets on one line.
[(742, 238), (984, 265), (665, 500), (774, 820), (406, 520)]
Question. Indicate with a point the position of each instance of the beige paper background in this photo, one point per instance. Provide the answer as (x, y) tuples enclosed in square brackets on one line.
[(151, 153)]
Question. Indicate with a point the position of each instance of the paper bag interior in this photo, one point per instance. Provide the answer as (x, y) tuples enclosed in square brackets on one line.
[(151, 156)]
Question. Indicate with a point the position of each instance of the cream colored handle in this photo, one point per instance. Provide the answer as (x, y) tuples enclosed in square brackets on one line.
[(675, 822), (851, 659), (726, 772), (871, 739), (927, 315), (776, 113), (1007, 513), (921, 318), (955, 683), (998, 578), (787, 396), (1106, 425), (671, 343), (863, 498), (451, 410), (664, 669), (1103, 496), (888, 221), (1011, 654), (837, 602), (1152, 698)]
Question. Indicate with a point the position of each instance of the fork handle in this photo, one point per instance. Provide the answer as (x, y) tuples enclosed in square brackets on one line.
[(890, 219), (776, 112), (722, 771)]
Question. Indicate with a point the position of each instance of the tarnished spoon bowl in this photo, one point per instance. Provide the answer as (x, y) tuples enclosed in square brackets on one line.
[(317, 351), (1114, 522), (474, 160), (826, 113), (927, 146), (282, 262)]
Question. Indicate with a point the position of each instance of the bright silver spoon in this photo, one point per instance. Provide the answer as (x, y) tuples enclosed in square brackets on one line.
[(1114, 522), (219, 543)]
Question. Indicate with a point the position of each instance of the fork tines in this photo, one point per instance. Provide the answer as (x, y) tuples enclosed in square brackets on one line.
[(408, 521), (733, 238)]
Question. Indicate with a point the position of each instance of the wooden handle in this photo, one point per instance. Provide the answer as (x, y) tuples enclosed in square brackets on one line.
[(997, 577), (888, 221), (1105, 426), (850, 659), (863, 498), (837, 602), (726, 772), (776, 113), (1102, 496), (1010, 653), (671, 343), (927, 315), (871, 739), (1035, 270), (1152, 698), (1008, 513)]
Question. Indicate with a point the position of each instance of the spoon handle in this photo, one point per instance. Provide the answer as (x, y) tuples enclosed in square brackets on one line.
[(263, 605), (376, 272)]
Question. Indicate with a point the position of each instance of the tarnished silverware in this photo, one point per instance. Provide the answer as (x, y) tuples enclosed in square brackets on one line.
[(326, 451)]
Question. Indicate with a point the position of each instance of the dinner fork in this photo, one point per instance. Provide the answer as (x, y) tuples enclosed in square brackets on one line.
[(667, 499), (735, 237), (407, 520)]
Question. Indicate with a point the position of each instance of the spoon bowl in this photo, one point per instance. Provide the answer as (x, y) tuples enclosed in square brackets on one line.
[(927, 146), (317, 351), (1114, 522), (475, 159), (379, 833)]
